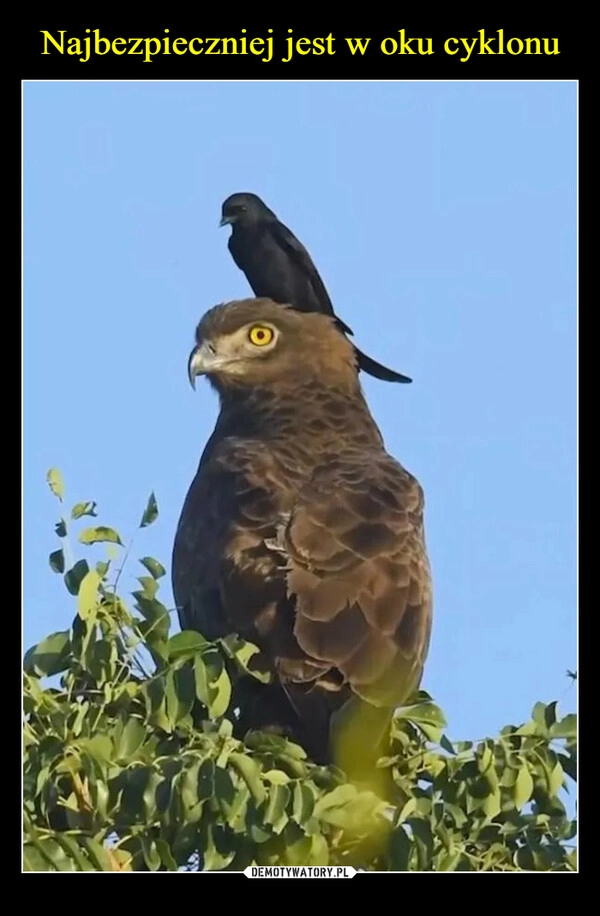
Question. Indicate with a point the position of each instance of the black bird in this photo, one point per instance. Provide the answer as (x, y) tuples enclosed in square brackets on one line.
[(278, 267)]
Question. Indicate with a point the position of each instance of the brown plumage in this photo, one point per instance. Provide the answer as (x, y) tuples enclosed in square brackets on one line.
[(299, 531)]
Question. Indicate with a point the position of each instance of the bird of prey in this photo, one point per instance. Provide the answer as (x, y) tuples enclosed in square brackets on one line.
[(277, 266), (301, 533)]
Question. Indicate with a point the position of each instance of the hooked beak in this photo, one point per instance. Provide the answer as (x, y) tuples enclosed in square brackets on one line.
[(225, 221), (203, 359)]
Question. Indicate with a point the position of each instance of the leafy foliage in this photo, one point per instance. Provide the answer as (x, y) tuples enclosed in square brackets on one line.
[(131, 761)]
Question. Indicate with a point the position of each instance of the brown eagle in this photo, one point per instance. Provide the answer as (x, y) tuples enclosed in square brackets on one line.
[(301, 534)]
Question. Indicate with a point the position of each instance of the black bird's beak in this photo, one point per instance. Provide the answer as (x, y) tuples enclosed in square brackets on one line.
[(225, 221)]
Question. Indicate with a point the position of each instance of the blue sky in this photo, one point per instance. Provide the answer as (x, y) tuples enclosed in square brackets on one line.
[(442, 219)]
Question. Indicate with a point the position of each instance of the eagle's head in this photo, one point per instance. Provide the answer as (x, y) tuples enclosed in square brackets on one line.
[(259, 343)]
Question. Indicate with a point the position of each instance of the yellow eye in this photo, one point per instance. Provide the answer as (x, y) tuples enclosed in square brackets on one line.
[(260, 335)]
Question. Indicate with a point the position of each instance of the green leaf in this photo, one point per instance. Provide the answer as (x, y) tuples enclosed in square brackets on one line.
[(349, 809), (447, 745), (154, 692), (276, 777), (250, 773), (303, 804), (339, 796), (156, 569), (215, 855), (58, 859), (100, 747), (74, 850), (409, 808), (572, 674), (433, 733), (357, 816), (180, 694), (523, 788), (185, 645), (457, 814), (485, 759), (149, 586), (569, 765), (213, 687), (151, 854), (243, 652), (544, 717), (87, 508), (155, 626), (130, 740), (222, 695), (423, 839), (206, 777), (150, 512), (98, 855), (426, 712), (399, 850), (188, 784), (61, 528), (57, 561), (100, 535), (565, 728), (55, 482), (424, 806), (550, 714), (50, 656), (166, 856), (492, 804), (448, 861), (35, 859), (275, 813), (556, 778), (75, 576), (201, 675), (87, 601)]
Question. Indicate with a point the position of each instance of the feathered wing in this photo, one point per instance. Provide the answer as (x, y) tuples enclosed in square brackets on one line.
[(360, 576), (196, 552), (303, 261), (219, 580)]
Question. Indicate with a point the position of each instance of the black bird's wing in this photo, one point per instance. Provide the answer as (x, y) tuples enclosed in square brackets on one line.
[(303, 261)]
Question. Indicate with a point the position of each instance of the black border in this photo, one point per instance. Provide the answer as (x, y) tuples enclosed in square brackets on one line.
[(342, 65)]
